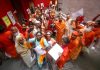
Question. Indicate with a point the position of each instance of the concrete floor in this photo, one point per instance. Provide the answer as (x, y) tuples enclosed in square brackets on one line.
[(88, 61)]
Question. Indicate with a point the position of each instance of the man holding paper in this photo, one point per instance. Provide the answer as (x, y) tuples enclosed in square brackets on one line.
[(40, 47)]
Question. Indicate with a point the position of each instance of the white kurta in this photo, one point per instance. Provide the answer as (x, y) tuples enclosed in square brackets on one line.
[(25, 54)]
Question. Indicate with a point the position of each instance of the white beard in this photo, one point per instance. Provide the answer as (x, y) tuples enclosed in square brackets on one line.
[(88, 29), (15, 34)]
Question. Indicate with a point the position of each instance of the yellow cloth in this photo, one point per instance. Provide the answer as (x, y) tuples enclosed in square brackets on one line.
[(27, 45), (41, 57), (60, 31)]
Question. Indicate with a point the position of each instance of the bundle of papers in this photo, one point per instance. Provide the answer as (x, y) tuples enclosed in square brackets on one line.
[(39, 50)]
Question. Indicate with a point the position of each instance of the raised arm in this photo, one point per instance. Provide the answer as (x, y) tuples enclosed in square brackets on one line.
[(94, 19)]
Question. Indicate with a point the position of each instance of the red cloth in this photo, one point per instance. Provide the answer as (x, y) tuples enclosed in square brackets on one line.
[(63, 58), (1, 46), (49, 25), (88, 38), (46, 2), (8, 45), (26, 34), (80, 18), (97, 32)]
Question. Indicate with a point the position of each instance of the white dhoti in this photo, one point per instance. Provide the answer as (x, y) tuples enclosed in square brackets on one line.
[(27, 58)]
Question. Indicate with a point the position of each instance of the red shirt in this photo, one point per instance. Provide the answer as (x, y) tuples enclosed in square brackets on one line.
[(9, 45)]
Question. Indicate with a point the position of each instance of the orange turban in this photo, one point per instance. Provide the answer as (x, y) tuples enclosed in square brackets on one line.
[(76, 33)]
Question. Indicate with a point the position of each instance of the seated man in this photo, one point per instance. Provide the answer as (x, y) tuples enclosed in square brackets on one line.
[(23, 50)]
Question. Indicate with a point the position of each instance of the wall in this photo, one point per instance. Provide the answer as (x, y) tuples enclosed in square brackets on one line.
[(46, 2), (5, 6), (91, 7)]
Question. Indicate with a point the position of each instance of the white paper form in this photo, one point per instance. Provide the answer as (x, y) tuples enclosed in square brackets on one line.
[(55, 51)]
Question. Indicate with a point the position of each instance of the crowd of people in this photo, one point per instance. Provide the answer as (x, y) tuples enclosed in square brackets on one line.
[(46, 27)]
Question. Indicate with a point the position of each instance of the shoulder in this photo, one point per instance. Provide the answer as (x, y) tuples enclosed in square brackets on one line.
[(8, 32), (32, 39), (52, 39), (43, 39)]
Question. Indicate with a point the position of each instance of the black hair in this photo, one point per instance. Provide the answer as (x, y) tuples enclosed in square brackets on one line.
[(2, 28), (30, 23), (98, 22), (66, 40), (39, 32), (59, 9)]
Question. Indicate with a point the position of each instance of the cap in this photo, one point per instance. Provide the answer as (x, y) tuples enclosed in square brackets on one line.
[(75, 33), (39, 33), (48, 32)]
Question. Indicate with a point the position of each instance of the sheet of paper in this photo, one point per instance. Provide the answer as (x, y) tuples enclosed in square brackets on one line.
[(39, 50), (6, 21), (55, 51), (78, 13), (10, 15)]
